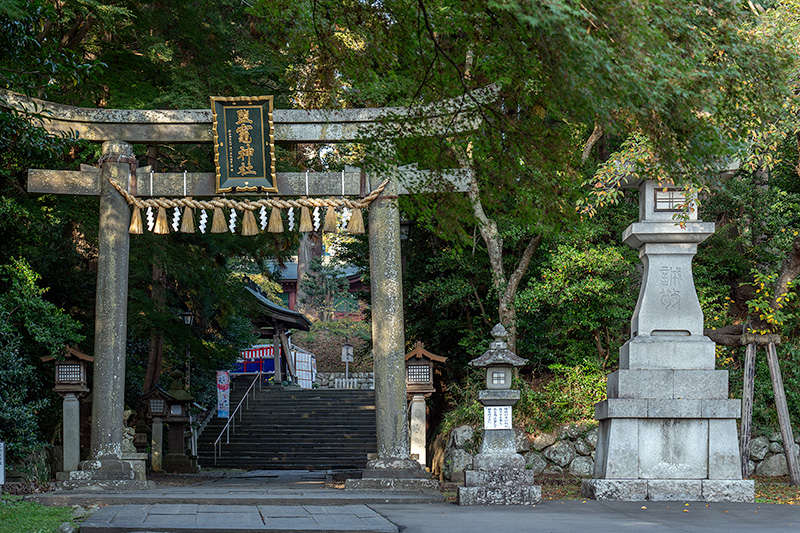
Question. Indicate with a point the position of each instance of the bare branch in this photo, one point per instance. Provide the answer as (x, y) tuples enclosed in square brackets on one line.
[(522, 265), (597, 132)]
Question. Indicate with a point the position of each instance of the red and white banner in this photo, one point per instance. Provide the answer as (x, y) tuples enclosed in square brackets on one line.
[(223, 393)]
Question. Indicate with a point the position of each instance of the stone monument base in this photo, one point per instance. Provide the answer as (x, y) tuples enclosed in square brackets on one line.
[(179, 463), (401, 475), (501, 487), (105, 474), (138, 462), (499, 479), (666, 490)]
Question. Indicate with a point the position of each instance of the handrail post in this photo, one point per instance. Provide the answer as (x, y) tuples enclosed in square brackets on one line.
[(230, 426)]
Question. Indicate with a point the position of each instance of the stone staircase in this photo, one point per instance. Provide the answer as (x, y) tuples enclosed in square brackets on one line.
[(295, 429)]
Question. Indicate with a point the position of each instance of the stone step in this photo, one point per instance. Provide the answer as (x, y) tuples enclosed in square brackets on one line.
[(297, 430), (240, 436), (275, 430)]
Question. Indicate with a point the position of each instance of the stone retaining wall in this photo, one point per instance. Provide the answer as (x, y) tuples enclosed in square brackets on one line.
[(571, 449), (363, 380), (767, 456)]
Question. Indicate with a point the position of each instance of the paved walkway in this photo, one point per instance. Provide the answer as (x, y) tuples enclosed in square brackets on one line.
[(236, 518), (273, 501)]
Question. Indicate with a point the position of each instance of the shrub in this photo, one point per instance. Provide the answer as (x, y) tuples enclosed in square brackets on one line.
[(566, 397)]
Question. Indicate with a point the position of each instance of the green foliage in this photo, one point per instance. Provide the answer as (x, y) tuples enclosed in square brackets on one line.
[(448, 302), (19, 516), (567, 398), (30, 327), (33, 63), (463, 399), (324, 287), (757, 221), (761, 304), (580, 304)]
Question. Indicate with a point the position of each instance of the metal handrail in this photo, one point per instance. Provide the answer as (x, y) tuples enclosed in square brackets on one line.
[(232, 417)]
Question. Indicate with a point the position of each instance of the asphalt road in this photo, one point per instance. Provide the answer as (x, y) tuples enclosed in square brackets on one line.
[(592, 516)]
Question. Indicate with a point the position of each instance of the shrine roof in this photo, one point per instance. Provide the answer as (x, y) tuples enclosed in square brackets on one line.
[(280, 316)]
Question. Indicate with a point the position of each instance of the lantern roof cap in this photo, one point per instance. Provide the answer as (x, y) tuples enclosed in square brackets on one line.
[(420, 352), (156, 392), (176, 389), (498, 352), (70, 353)]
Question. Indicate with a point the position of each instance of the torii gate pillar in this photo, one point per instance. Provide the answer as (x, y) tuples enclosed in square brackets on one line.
[(388, 329), (105, 466), (393, 467)]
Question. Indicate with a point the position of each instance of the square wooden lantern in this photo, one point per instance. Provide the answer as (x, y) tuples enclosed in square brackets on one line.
[(419, 370), (171, 405), (157, 403), (70, 373)]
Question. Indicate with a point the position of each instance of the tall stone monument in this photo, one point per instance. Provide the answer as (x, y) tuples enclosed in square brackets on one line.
[(498, 475), (667, 429)]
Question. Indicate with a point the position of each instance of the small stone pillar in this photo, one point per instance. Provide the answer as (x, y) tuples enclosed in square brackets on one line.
[(668, 429), (419, 385), (71, 426), (157, 445), (498, 475), (418, 428), (71, 382)]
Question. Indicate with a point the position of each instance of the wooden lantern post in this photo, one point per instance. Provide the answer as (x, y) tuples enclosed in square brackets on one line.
[(419, 385), (71, 384)]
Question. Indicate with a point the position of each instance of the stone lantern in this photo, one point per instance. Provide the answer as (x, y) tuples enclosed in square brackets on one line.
[(419, 385), (155, 404), (71, 384), (498, 475), (177, 417), (170, 406)]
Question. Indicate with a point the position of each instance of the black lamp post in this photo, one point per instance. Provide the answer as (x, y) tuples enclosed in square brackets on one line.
[(188, 320)]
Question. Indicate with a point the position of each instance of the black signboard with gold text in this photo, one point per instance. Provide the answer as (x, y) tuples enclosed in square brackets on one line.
[(244, 143)]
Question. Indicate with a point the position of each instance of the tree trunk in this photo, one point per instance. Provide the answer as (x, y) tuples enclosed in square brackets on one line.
[(156, 356), (506, 288)]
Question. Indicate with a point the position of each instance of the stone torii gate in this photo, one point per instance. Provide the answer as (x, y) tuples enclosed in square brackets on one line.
[(117, 128)]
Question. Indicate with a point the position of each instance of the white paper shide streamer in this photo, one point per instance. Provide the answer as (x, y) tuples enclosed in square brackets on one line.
[(203, 221), (262, 215), (346, 214), (316, 219), (232, 221), (176, 219), (151, 222)]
